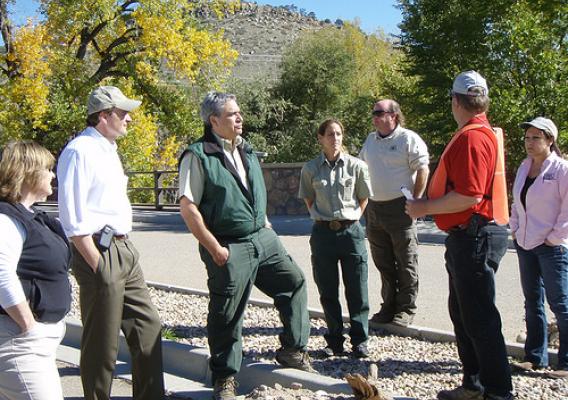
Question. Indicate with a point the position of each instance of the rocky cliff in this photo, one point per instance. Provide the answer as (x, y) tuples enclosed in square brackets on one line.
[(260, 33)]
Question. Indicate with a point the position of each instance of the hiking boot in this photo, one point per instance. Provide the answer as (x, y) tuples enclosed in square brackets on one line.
[(360, 351), (329, 351), (460, 393), (225, 388), (292, 358), (402, 319), (382, 317)]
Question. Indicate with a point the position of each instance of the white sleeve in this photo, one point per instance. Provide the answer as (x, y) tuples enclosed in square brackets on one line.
[(73, 179), (12, 237)]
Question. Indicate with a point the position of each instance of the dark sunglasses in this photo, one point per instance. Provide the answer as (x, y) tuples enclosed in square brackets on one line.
[(378, 113)]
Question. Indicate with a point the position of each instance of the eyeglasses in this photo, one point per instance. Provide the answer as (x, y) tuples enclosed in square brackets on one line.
[(378, 113)]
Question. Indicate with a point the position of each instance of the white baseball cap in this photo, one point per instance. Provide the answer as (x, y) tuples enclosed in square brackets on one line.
[(544, 124), (107, 97), (468, 80)]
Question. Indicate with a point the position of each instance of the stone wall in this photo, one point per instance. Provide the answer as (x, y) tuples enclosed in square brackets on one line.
[(282, 184)]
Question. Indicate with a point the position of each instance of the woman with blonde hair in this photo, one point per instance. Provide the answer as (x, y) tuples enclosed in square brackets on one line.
[(35, 294)]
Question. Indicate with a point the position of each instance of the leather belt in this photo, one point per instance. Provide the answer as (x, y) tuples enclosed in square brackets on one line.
[(336, 224), (463, 227)]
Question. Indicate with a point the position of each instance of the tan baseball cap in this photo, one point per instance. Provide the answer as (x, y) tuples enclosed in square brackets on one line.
[(107, 97)]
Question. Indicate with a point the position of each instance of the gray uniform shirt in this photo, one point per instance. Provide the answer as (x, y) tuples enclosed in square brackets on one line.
[(335, 189)]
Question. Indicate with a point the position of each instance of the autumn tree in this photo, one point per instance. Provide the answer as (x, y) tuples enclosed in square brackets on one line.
[(152, 49)]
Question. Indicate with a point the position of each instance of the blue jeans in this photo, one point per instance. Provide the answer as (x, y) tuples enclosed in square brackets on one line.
[(544, 269), (471, 262)]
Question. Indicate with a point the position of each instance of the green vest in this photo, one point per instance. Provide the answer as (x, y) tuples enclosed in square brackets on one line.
[(228, 209)]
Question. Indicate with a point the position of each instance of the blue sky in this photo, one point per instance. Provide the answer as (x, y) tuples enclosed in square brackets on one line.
[(372, 14)]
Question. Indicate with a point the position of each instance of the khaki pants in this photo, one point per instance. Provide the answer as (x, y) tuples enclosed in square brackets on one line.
[(112, 299), (27, 361)]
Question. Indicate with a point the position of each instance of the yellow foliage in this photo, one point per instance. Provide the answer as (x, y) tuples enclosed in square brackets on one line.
[(189, 52), (27, 92)]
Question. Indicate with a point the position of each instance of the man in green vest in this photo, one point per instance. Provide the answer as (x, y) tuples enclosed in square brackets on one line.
[(223, 203)]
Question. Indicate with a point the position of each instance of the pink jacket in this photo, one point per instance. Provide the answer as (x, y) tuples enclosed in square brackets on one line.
[(546, 215)]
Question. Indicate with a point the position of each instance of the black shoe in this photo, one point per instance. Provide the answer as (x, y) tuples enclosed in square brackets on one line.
[(329, 351), (489, 396), (361, 351), (382, 317)]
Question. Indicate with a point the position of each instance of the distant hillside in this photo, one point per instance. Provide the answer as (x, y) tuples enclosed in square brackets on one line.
[(260, 33)]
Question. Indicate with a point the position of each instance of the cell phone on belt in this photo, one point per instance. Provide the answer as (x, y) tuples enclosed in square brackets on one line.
[(107, 233), (407, 193)]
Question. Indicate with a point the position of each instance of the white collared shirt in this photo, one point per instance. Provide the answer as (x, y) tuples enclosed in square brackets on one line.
[(92, 186)]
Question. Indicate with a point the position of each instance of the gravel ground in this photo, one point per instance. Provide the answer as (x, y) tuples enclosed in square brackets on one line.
[(406, 366)]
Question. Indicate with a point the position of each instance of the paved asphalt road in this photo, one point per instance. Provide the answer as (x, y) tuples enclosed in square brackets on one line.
[(169, 254)]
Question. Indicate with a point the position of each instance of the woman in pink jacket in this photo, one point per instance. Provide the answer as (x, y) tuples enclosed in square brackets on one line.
[(539, 223)]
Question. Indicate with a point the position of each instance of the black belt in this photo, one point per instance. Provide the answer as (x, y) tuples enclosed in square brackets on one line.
[(468, 227), (336, 224)]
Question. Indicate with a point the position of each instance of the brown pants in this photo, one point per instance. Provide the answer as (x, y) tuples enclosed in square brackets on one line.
[(393, 239), (112, 299)]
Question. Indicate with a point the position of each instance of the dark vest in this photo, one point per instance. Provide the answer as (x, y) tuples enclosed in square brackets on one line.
[(228, 208), (43, 264)]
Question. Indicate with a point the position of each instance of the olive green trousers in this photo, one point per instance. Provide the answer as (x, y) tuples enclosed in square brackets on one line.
[(115, 298)]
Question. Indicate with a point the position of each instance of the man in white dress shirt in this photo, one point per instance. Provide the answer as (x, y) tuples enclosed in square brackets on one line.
[(96, 215)]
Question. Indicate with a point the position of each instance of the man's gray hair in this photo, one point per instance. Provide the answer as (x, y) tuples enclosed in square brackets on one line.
[(213, 104)]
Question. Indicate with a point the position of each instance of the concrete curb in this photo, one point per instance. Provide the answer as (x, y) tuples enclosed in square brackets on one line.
[(433, 335), (191, 363)]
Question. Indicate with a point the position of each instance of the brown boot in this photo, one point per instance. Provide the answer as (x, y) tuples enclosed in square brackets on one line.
[(225, 388)]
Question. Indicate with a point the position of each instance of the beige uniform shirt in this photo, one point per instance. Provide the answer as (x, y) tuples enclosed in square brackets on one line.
[(335, 189)]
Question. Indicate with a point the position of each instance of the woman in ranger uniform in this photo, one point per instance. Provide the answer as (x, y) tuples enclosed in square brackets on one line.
[(336, 187)]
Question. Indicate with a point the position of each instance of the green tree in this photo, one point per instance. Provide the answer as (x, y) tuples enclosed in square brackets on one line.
[(335, 73), (518, 45)]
